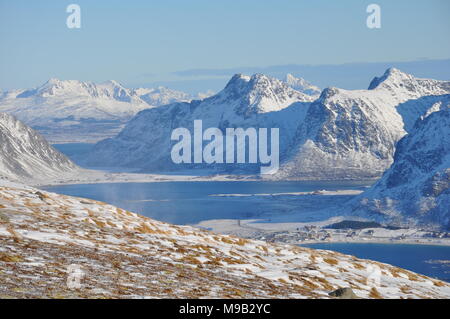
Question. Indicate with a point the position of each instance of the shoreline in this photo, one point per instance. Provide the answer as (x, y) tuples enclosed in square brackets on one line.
[(94, 176), (290, 233), (379, 242)]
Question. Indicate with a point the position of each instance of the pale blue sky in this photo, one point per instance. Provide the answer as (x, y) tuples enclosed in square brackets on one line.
[(142, 42)]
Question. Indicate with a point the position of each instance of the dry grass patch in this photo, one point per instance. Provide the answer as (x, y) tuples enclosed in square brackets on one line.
[(405, 289), (331, 261), (325, 284), (16, 236), (227, 240), (375, 294), (10, 258), (358, 266), (439, 283)]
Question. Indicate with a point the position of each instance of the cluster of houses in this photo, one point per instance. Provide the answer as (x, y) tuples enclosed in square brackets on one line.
[(316, 233), (437, 234), (307, 233)]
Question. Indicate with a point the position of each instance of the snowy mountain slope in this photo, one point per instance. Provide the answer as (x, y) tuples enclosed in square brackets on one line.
[(256, 101), (82, 111), (118, 254), (61, 99), (302, 85), (25, 155), (162, 96), (416, 188), (352, 134)]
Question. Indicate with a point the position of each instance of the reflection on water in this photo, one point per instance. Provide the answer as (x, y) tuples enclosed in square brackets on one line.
[(429, 260)]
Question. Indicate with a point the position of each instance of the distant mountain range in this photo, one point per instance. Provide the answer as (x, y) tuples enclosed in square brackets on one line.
[(256, 101), (340, 134), (83, 111)]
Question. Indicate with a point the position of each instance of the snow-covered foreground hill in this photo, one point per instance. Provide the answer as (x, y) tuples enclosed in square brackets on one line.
[(77, 111), (25, 155), (51, 243), (416, 188), (342, 134)]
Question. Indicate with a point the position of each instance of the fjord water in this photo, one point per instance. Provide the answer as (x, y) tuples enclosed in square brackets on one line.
[(430, 260), (192, 202)]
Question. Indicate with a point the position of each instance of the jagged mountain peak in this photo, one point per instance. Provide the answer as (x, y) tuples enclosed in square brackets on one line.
[(328, 93), (301, 85), (53, 81), (257, 81), (259, 93), (408, 85), (390, 76), (162, 95), (237, 82), (113, 83)]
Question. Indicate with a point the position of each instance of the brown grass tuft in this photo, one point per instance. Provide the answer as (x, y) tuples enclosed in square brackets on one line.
[(375, 294), (331, 261)]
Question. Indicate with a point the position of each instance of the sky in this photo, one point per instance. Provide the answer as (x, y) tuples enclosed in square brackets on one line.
[(143, 43)]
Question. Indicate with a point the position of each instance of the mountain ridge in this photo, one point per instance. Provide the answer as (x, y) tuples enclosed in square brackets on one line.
[(341, 134), (25, 155), (72, 110)]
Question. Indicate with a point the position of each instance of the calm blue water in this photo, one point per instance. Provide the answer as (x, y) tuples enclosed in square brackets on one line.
[(417, 258), (71, 149), (190, 202)]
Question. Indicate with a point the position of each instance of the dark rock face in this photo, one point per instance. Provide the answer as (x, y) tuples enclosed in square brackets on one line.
[(343, 293)]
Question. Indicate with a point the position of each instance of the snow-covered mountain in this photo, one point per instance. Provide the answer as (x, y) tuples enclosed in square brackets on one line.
[(416, 188), (25, 155), (82, 111), (302, 85), (163, 95), (119, 254), (352, 134), (342, 134), (256, 101)]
